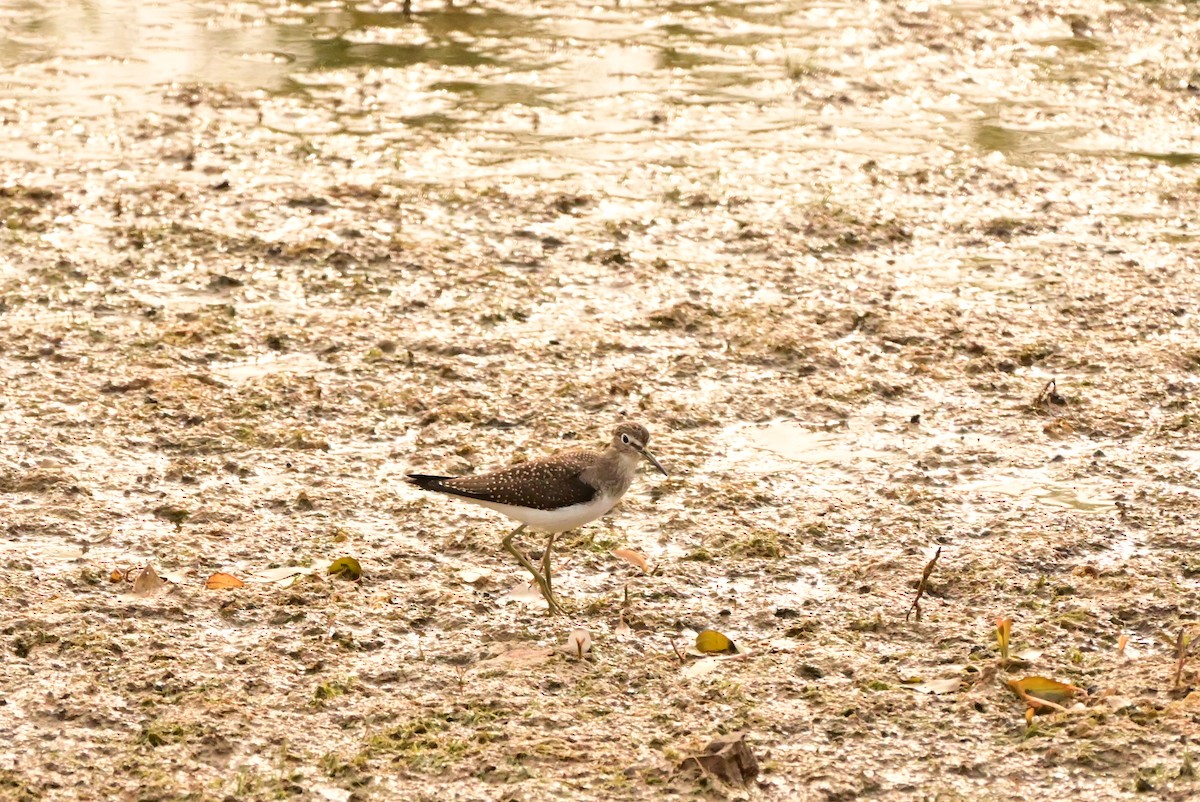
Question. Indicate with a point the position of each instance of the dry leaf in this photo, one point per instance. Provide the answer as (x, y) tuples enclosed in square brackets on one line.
[(579, 643), (526, 592), (223, 582), (623, 629), (285, 575), (1116, 703), (174, 577), (699, 668), (635, 558), (1003, 635), (728, 759), (712, 642), (148, 582), (117, 575), (473, 575), (346, 568), (935, 686), (1044, 693)]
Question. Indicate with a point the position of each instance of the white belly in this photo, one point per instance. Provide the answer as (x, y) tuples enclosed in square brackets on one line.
[(560, 520)]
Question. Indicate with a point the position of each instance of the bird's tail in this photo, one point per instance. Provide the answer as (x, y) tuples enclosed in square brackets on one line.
[(427, 482)]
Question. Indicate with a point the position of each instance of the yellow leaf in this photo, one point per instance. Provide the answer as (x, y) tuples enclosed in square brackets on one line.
[(711, 642), (1003, 635), (116, 576), (223, 582), (1044, 689), (635, 558), (346, 568)]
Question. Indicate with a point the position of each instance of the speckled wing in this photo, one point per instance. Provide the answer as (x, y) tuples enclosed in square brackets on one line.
[(541, 484)]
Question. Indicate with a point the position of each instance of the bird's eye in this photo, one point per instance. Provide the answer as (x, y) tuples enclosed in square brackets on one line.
[(625, 439)]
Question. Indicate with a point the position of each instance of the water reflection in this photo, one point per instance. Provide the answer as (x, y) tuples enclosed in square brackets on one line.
[(759, 76)]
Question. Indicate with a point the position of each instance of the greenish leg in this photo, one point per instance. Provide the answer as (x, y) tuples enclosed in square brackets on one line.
[(546, 570), (543, 581)]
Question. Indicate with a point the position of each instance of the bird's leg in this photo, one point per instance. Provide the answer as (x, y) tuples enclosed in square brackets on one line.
[(528, 566), (546, 568)]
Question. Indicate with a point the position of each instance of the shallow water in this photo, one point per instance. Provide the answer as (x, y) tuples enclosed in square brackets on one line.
[(514, 85)]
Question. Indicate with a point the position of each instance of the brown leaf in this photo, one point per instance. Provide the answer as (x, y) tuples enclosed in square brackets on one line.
[(148, 582), (635, 558), (117, 575), (223, 582), (728, 759)]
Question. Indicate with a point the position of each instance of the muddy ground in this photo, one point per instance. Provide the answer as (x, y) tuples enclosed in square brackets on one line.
[(831, 255)]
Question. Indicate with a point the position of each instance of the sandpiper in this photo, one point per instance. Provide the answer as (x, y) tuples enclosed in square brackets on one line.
[(553, 494)]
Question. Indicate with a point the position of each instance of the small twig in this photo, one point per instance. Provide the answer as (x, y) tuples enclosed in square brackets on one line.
[(1035, 703), (678, 653), (916, 604), (1182, 647), (1049, 397)]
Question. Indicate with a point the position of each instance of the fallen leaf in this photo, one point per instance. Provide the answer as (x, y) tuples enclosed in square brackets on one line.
[(174, 577), (727, 759), (1042, 692), (579, 643), (473, 575), (527, 593), (223, 582), (1028, 655), (1003, 635), (712, 642), (635, 558), (148, 582), (935, 686), (623, 630), (285, 575), (698, 668), (346, 568), (117, 575), (1116, 703)]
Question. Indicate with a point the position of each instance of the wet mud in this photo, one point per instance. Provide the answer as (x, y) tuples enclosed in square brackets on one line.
[(879, 278)]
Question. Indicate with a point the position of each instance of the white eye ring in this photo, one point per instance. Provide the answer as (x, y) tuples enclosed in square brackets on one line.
[(625, 439)]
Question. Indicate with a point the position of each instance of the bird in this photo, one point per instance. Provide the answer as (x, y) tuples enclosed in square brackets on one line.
[(554, 494)]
